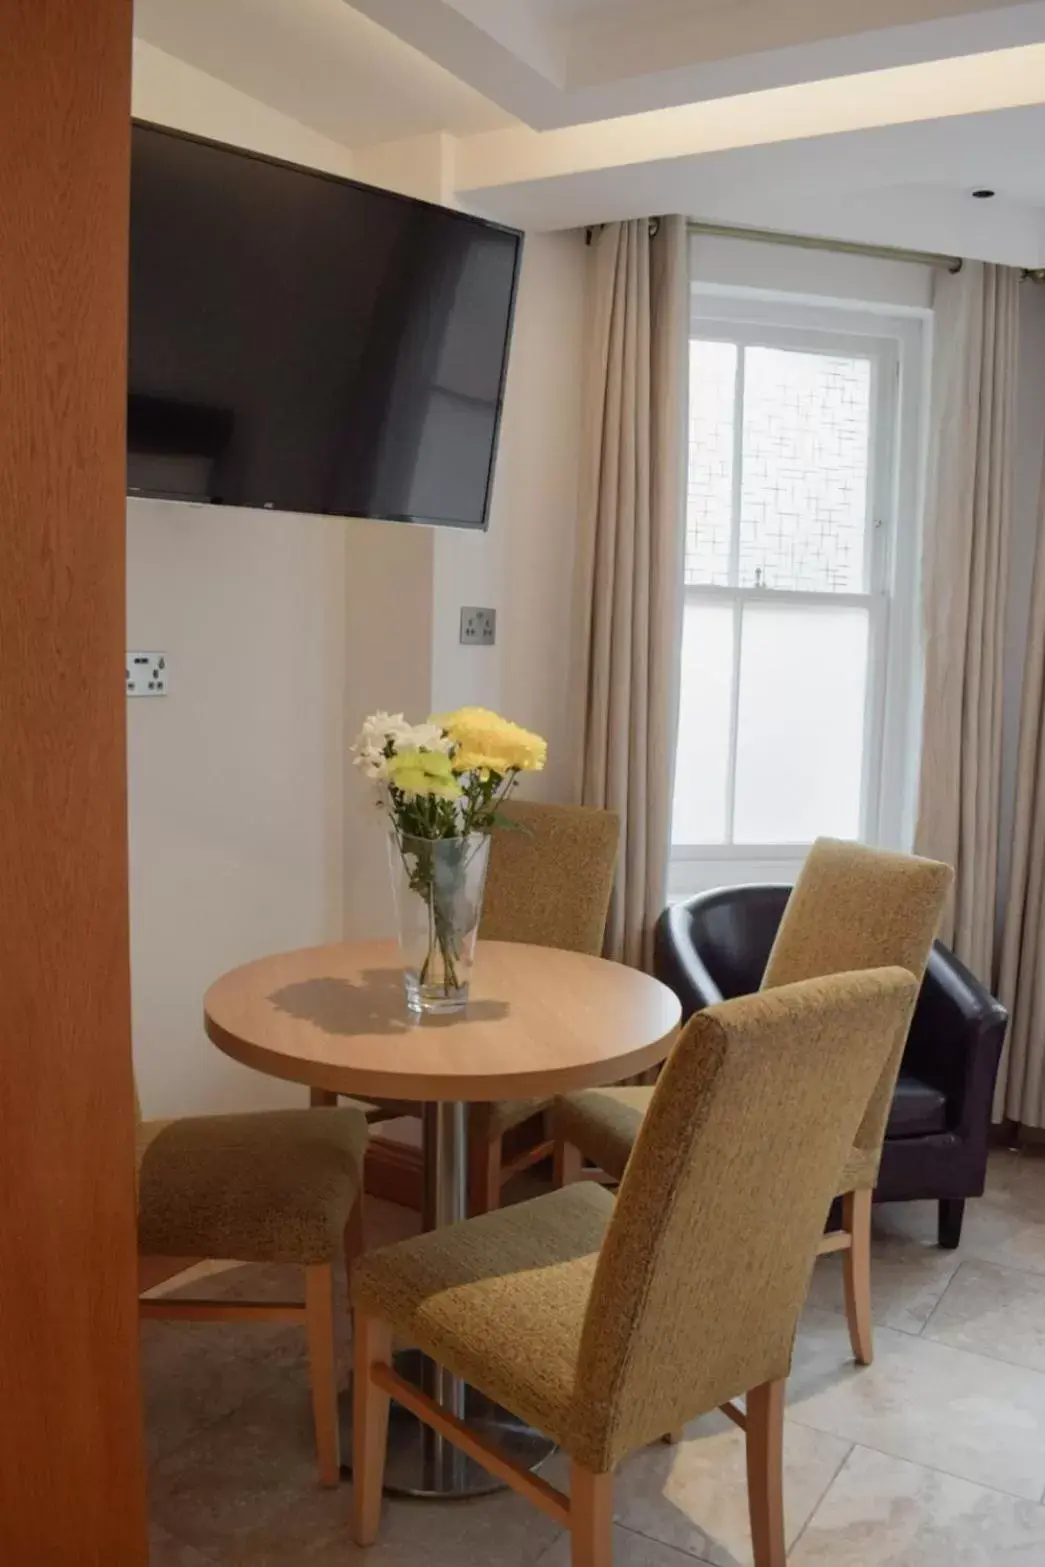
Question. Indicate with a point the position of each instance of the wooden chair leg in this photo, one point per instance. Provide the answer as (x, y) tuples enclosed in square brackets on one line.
[(568, 1162), (322, 1360), (372, 1346), (765, 1473), (322, 1096), (856, 1273), (591, 1517), (484, 1174)]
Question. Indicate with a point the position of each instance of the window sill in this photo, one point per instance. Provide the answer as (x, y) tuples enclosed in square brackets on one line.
[(695, 869)]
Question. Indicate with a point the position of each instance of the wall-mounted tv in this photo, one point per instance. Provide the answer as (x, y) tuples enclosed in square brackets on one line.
[(305, 343)]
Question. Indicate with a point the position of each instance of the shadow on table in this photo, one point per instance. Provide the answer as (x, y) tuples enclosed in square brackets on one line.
[(375, 1004)]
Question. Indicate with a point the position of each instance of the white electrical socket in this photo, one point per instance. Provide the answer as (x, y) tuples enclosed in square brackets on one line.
[(479, 627), (147, 673)]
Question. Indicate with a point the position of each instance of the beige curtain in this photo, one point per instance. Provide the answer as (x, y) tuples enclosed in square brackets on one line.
[(1021, 1082), (630, 552), (965, 579)]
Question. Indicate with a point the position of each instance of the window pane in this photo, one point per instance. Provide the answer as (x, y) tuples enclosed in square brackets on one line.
[(712, 389), (702, 759), (800, 737), (803, 507)]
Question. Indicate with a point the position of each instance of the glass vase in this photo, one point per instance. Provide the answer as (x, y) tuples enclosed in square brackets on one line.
[(438, 888)]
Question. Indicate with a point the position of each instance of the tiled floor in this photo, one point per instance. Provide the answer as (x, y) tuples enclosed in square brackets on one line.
[(932, 1457)]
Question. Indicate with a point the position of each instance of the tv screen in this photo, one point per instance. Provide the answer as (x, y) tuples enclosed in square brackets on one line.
[(304, 343)]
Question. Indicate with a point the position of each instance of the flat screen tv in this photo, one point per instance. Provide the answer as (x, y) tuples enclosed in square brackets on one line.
[(304, 343)]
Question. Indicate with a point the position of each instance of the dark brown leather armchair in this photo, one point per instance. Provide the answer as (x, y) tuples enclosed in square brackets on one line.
[(715, 946)]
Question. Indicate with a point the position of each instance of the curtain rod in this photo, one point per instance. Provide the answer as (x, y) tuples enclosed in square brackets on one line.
[(845, 247), (925, 258)]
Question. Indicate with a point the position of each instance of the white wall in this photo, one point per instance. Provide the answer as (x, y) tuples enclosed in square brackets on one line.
[(523, 567), (421, 166), (821, 277), (236, 776), (249, 831), (170, 92), (388, 665)]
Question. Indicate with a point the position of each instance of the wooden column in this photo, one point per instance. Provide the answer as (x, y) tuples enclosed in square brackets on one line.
[(72, 1488)]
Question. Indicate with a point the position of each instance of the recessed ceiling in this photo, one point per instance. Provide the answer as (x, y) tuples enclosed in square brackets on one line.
[(558, 12), (319, 62), (896, 185), (554, 63), (803, 137)]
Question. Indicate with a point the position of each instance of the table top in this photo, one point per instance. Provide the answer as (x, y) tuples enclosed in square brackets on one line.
[(540, 1021)]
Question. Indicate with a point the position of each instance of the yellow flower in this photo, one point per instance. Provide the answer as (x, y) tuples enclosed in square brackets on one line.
[(423, 772), (485, 740)]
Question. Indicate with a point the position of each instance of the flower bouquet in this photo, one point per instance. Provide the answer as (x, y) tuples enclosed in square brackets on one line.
[(442, 784)]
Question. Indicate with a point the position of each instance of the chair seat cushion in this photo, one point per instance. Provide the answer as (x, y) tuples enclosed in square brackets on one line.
[(603, 1123), (917, 1110), (277, 1186), (493, 1120), (500, 1300)]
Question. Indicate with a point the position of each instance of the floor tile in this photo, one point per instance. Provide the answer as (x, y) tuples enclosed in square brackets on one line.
[(979, 1419), (196, 1374), (502, 1531), (166, 1551), (997, 1227), (908, 1277), (1016, 1182), (882, 1512), (694, 1495), (950, 1416), (249, 1281), (238, 1474), (200, 1275), (629, 1550), (994, 1311)]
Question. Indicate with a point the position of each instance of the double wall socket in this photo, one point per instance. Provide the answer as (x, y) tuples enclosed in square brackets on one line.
[(478, 627), (146, 674)]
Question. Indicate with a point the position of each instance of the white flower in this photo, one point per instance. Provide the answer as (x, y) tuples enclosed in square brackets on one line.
[(378, 729), (373, 764), (423, 737), (383, 733), (378, 732)]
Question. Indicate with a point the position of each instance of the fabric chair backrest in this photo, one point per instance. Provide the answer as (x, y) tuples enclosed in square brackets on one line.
[(855, 908), (704, 1269), (551, 876)]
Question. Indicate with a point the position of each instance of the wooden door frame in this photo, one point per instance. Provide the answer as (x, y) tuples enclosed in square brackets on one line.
[(72, 1486)]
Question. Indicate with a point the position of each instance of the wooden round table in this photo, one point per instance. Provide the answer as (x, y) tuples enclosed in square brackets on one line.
[(539, 1022)]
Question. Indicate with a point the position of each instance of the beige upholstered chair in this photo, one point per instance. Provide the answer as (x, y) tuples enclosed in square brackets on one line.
[(548, 884), (609, 1323), (852, 908), (277, 1186)]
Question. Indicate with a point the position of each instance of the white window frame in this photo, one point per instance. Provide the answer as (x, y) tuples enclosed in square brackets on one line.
[(897, 345)]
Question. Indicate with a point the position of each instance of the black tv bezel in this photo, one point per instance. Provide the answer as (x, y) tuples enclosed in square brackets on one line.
[(412, 201)]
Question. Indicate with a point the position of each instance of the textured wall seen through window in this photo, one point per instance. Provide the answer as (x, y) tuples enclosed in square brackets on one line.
[(803, 492)]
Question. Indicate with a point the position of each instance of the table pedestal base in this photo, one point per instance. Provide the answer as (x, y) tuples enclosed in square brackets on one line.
[(424, 1464)]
